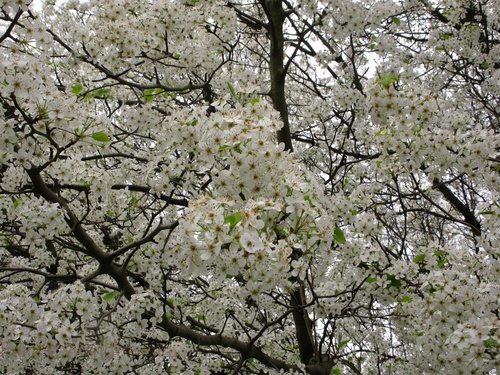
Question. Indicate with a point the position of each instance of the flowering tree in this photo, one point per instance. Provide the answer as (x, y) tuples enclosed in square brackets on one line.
[(249, 187)]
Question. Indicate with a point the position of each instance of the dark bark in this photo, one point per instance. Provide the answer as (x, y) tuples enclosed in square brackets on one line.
[(247, 350), (276, 16), (468, 215), (106, 264)]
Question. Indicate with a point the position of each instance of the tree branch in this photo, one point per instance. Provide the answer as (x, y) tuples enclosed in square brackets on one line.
[(276, 16), (106, 265), (247, 350), (469, 217)]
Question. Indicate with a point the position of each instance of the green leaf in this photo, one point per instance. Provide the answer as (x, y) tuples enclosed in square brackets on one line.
[(343, 343), (102, 93), (338, 235), (485, 65), (405, 299), (17, 202), (441, 255), (444, 36), (100, 136), (109, 296), (232, 219), (491, 343), (200, 317), (150, 94), (386, 80), (371, 279), (419, 258), (486, 213), (396, 21), (382, 132), (76, 88), (231, 89), (224, 147), (335, 371), (254, 101), (393, 281)]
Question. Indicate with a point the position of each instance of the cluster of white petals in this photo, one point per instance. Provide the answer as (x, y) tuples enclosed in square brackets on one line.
[(249, 187)]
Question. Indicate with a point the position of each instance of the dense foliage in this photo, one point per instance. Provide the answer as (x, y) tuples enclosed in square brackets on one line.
[(249, 187)]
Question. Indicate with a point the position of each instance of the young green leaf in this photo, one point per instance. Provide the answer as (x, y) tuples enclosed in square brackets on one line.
[(100, 136), (405, 299), (17, 202), (491, 343), (441, 258), (109, 296), (232, 219), (231, 89), (150, 94), (393, 281), (386, 80), (343, 343), (382, 132), (102, 93), (76, 88), (419, 258), (486, 213), (338, 235)]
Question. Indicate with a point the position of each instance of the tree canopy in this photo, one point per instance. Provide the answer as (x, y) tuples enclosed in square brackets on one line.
[(249, 187)]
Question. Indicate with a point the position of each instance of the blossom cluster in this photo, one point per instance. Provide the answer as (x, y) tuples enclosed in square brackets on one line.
[(263, 218), (146, 207)]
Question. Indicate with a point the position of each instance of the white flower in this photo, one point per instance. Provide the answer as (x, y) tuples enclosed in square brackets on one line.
[(299, 268), (251, 242)]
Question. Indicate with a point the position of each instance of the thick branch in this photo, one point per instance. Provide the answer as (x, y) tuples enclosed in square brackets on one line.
[(302, 326), (247, 350), (106, 266), (469, 217), (276, 16)]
